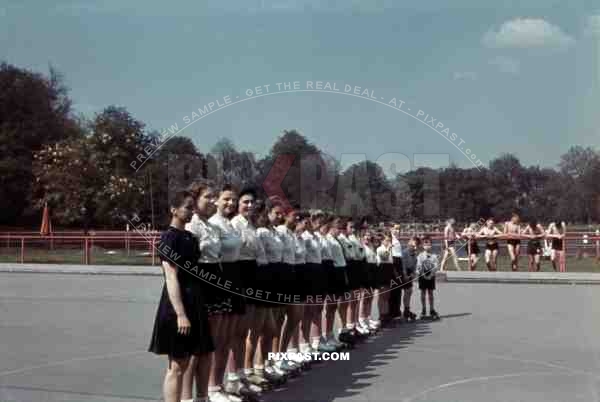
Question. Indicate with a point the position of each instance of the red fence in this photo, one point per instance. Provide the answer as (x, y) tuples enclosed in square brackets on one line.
[(137, 248)]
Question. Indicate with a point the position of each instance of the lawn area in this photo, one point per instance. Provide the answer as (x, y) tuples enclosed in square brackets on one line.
[(102, 256), (75, 256)]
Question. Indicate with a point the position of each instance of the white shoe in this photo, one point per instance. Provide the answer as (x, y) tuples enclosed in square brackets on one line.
[(362, 330), (219, 396)]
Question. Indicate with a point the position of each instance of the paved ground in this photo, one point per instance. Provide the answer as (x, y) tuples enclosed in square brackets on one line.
[(83, 338)]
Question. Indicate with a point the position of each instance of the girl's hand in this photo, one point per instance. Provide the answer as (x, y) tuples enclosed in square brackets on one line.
[(183, 325)]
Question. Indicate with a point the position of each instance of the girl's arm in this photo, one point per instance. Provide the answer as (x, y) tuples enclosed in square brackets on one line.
[(174, 292)]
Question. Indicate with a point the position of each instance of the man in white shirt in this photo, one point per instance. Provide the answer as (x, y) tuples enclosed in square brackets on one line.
[(396, 292)]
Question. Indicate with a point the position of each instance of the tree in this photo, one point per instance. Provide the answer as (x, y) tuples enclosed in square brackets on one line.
[(34, 110), (309, 182), (583, 166)]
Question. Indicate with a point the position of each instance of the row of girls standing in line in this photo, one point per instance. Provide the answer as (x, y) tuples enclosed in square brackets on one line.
[(219, 339)]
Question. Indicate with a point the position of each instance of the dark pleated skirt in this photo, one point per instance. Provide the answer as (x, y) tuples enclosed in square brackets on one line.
[(249, 275), (233, 273), (315, 282), (371, 275), (357, 275), (217, 299), (166, 341), (385, 274)]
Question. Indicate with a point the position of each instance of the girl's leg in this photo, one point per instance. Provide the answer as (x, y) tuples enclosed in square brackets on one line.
[(290, 325), (444, 260), (511, 253), (202, 374), (455, 259), (216, 323), (531, 268), (423, 302), (174, 379), (537, 262), (488, 259), (517, 254), (494, 260), (430, 294), (256, 329), (330, 309)]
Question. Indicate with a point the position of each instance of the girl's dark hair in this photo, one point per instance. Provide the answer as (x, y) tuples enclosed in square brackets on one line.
[(228, 187), (302, 215), (197, 188), (272, 202), (248, 191), (179, 197), (416, 239)]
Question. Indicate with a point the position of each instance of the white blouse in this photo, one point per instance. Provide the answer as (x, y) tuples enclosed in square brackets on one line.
[(325, 247), (289, 244), (208, 237), (384, 255), (370, 254), (336, 251), (272, 244), (348, 247), (359, 248), (231, 239), (251, 249), (300, 254), (396, 247), (313, 248)]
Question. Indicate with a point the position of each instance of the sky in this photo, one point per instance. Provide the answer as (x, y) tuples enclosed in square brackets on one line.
[(514, 76)]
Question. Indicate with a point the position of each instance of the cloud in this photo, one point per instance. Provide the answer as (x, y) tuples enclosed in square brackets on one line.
[(465, 75), (527, 33), (592, 25), (506, 64)]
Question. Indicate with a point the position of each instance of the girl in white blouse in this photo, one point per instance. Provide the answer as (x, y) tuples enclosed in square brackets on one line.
[(218, 301), (386, 274), (231, 243), (365, 320), (338, 280), (295, 253), (273, 246), (251, 324)]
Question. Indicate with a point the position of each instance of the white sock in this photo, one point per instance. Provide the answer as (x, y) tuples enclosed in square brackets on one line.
[(350, 326), (315, 342), (232, 376), (248, 372), (304, 347), (188, 400), (292, 350), (214, 388)]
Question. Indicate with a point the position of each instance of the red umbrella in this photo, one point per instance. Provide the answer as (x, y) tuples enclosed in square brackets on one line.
[(46, 228)]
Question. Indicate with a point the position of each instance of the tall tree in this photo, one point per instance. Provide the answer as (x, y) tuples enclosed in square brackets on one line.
[(34, 110)]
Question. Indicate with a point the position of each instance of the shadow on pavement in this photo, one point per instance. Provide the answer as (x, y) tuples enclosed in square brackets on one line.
[(327, 381)]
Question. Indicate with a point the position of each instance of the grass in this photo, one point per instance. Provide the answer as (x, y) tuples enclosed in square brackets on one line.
[(74, 256), (99, 256), (573, 264)]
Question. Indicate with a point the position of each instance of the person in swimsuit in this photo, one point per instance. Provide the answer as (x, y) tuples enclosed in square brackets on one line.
[(490, 233), (450, 238), (557, 236), (512, 232), (536, 233), (470, 233)]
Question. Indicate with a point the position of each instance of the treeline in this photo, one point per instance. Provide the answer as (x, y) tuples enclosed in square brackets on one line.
[(82, 166)]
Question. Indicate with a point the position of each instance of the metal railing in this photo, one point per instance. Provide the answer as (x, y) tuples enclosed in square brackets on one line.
[(133, 248)]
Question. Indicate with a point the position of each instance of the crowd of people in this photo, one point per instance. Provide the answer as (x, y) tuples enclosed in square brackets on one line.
[(540, 242), (248, 279)]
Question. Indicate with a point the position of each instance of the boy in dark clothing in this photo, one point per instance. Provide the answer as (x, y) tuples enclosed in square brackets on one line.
[(427, 265), (409, 271)]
